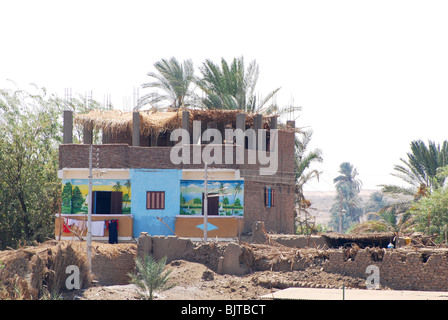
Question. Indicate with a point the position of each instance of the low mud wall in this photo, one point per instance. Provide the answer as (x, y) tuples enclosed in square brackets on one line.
[(30, 272), (400, 269)]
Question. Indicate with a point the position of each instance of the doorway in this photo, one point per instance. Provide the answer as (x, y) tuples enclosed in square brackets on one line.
[(212, 204)]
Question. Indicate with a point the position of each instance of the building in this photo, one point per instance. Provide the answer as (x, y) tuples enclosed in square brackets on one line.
[(149, 183)]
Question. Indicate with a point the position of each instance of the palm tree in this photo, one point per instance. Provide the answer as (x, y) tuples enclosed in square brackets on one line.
[(348, 178), (232, 86), (150, 275), (347, 198), (303, 162), (376, 202), (236, 191), (128, 186), (117, 186), (420, 170), (395, 221), (174, 80)]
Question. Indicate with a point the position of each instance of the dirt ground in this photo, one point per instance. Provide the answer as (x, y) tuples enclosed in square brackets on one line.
[(194, 281), (189, 280)]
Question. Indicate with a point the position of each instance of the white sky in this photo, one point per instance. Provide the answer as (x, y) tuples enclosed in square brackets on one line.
[(371, 76)]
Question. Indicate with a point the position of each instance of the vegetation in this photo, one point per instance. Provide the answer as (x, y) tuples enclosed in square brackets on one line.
[(303, 173), (150, 275), (230, 86), (421, 205), (347, 202), (30, 190), (431, 214), (173, 81), (30, 134), (420, 170)]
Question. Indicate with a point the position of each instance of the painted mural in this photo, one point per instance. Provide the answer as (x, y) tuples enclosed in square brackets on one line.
[(75, 192), (229, 197)]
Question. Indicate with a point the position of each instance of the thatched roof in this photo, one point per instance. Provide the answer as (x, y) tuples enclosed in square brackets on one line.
[(155, 122), (377, 239)]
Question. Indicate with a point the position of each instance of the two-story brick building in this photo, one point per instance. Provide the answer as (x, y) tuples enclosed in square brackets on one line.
[(149, 176)]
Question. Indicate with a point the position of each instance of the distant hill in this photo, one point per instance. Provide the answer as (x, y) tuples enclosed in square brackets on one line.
[(322, 201)]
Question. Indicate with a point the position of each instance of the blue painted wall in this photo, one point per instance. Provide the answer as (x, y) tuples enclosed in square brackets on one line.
[(143, 180)]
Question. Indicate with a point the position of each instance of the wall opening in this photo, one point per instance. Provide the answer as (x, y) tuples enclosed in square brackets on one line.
[(425, 257)]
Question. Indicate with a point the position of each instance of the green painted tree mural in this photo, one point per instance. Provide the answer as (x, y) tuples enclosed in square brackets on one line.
[(77, 200), (66, 198)]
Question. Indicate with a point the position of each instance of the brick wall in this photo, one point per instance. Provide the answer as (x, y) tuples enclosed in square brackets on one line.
[(280, 217)]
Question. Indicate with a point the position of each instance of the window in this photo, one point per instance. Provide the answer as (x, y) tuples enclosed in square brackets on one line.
[(268, 197), (107, 202), (155, 200)]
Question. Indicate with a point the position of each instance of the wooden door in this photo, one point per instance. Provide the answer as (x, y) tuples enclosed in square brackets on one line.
[(213, 204), (116, 202)]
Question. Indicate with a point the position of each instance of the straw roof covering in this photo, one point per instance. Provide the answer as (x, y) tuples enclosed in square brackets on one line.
[(115, 121), (381, 239)]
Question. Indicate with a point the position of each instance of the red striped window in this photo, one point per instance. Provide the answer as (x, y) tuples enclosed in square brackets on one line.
[(155, 200)]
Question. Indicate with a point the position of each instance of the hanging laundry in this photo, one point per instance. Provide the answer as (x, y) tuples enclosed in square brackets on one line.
[(113, 231), (98, 228), (65, 226)]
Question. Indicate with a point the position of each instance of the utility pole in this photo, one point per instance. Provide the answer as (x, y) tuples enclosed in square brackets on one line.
[(89, 213), (205, 202)]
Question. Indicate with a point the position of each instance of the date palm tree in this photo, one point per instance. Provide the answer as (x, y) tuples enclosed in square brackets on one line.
[(303, 173), (174, 81), (303, 161), (347, 199), (232, 86), (150, 275), (420, 170)]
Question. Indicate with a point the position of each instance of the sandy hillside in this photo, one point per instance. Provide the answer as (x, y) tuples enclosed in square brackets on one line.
[(322, 201)]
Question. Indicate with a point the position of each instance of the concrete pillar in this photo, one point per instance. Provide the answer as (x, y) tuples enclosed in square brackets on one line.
[(241, 121), (273, 124), (68, 127), (197, 133), (258, 125), (136, 129), (210, 125), (88, 133), (186, 126)]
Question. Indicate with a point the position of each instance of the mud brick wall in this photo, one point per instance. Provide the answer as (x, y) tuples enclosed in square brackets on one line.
[(399, 269), (113, 269)]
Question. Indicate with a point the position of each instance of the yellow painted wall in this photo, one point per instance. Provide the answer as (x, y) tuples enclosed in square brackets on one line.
[(227, 227), (97, 174), (125, 224), (211, 175)]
